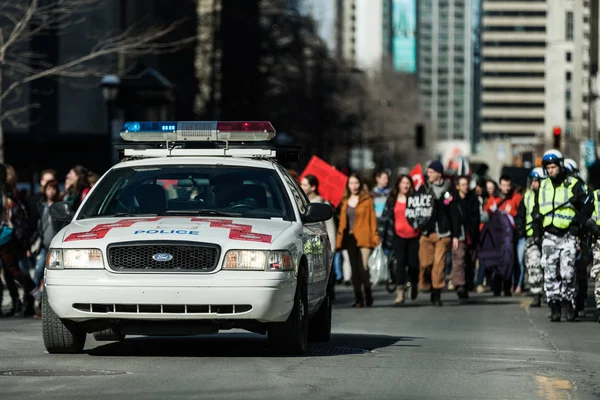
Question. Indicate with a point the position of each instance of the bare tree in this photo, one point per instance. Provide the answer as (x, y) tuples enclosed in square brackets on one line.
[(393, 110), (21, 21)]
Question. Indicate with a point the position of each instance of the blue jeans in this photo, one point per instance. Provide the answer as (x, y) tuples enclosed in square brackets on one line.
[(448, 264), (521, 246), (40, 262), (338, 261), (480, 274)]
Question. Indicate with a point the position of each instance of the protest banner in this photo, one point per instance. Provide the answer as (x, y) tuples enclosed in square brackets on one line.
[(331, 181), (419, 209), (417, 176)]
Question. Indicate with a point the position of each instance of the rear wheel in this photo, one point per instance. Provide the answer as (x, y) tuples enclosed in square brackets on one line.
[(60, 336), (291, 337)]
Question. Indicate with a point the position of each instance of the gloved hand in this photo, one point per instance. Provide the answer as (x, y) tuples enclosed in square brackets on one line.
[(387, 252), (574, 229), (591, 227)]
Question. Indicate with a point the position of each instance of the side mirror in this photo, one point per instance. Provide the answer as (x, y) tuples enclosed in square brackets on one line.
[(61, 211), (317, 212)]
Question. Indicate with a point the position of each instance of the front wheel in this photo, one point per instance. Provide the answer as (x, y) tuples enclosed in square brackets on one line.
[(60, 336), (291, 336), (319, 329)]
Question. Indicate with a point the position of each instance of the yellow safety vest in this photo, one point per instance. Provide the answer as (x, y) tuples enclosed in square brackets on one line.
[(596, 215), (549, 198), (529, 203)]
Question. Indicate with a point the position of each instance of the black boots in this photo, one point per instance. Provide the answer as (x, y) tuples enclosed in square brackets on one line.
[(568, 311), (436, 297), (368, 296), (537, 301), (462, 293), (555, 311)]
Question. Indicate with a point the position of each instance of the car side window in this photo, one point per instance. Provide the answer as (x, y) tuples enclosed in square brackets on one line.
[(297, 192)]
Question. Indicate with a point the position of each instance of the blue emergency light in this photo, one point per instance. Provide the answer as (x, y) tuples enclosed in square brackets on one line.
[(236, 131)]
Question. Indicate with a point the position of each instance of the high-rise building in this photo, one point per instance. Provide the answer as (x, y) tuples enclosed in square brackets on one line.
[(363, 24), (535, 70), (444, 53), (325, 14), (403, 36)]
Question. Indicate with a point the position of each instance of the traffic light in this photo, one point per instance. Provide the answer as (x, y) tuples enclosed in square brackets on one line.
[(419, 136), (556, 136)]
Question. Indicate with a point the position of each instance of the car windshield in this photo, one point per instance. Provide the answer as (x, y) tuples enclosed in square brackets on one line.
[(190, 190)]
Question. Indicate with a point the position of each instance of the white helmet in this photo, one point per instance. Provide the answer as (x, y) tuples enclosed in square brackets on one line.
[(537, 173), (553, 157), (571, 165)]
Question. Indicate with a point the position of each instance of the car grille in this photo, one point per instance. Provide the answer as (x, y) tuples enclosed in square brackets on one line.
[(186, 257)]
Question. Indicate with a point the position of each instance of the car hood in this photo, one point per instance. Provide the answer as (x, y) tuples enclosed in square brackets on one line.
[(227, 232)]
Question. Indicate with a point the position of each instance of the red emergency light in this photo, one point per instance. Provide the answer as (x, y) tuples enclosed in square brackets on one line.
[(245, 126)]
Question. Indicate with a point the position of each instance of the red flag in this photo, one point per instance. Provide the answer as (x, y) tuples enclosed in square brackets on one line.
[(332, 182), (417, 176)]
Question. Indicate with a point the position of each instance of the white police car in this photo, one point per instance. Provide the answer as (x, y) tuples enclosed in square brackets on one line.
[(197, 233)]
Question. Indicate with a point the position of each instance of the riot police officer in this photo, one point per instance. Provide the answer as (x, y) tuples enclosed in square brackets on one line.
[(582, 258), (595, 272), (524, 224), (562, 206)]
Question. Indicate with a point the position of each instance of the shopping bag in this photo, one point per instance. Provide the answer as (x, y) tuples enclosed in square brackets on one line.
[(378, 266)]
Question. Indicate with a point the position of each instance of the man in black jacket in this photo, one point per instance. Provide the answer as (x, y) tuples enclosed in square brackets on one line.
[(438, 236), (466, 213)]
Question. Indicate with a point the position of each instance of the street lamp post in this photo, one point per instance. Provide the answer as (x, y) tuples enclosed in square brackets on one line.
[(110, 91)]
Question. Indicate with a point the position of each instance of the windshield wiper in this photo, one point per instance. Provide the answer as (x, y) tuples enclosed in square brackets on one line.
[(204, 212), (124, 214)]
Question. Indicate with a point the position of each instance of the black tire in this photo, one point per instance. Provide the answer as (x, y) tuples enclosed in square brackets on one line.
[(319, 328), (291, 337), (108, 335), (60, 336)]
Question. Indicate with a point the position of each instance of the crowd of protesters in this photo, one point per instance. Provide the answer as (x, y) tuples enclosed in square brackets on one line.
[(27, 230), (449, 251)]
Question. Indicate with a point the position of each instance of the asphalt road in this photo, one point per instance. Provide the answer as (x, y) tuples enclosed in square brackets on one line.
[(490, 348)]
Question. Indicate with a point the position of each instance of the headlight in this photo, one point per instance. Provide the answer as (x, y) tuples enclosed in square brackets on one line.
[(254, 260), (74, 259)]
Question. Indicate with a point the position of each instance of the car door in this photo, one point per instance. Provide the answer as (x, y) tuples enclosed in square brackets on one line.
[(314, 242)]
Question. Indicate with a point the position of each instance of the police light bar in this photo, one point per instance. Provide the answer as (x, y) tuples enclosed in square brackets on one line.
[(198, 131)]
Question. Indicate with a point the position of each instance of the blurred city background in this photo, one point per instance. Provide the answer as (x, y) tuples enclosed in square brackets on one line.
[(364, 84)]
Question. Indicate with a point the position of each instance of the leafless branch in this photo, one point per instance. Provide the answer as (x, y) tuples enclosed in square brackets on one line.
[(12, 113), (137, 42)]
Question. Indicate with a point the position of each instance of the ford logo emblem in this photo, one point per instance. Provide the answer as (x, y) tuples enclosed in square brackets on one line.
[(162, 257)]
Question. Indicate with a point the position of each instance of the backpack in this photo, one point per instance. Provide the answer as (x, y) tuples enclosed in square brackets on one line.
[(18, 226)]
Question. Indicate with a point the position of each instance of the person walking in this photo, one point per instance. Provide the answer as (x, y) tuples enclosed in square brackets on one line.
[(357, 234), (400, 239), (562, 205), (466, 209), (532, 249), (438, 236)]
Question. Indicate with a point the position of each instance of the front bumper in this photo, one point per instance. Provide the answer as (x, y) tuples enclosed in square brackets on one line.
[(82, 295)]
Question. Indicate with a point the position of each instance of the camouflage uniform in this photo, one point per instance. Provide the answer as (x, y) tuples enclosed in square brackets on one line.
[(533, 258), (558, 261), (562, 206), (595, 274), (532, 249)]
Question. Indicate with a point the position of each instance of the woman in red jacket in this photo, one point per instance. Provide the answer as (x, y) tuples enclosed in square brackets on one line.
[(400, 237), (357, 234)]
